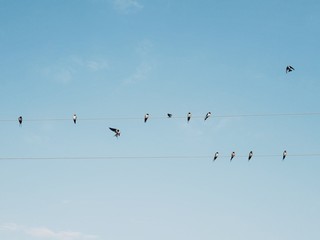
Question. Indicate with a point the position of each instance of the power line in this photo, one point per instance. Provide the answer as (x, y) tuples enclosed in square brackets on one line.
[(165, 117), (158, 157)]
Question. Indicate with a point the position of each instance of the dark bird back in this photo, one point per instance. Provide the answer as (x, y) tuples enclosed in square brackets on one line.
[(289, 69), (20, 120)]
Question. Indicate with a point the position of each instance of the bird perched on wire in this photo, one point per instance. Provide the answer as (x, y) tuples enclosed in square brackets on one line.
[(250, 155), (215, 156), (20, 120), (207, 115), (74, 118), (146, 117), (233, 154), (189, 116), (289, 68), (284, 154), (169, 115), (116, 131)]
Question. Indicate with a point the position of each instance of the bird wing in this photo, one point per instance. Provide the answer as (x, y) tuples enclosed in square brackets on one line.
[(113, 129)]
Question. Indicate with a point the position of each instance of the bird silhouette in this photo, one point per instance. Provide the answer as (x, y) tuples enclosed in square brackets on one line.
[(233, 154), (146, 117), (215, 156), (74, 118), (289, 68), (284, 154), (20, 120), (207, 115), (116, 131), (250, 155), (169, 115), (189, 116)]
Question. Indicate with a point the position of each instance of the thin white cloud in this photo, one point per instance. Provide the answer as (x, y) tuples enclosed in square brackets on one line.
[(141, 74), (90, 64), (127, 6), (9, 227), (147, 63), (46, 233), (66, 69), (144, 48)]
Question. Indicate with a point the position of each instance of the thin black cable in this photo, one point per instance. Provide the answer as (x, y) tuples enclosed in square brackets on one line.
[(157, 157), (165, 117)]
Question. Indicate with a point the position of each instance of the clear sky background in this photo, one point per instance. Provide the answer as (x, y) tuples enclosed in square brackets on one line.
[(114, 61)]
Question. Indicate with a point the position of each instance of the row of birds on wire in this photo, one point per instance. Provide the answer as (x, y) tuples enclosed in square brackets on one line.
[(169, 115), (116, 130), (233, 154), (146, 116)]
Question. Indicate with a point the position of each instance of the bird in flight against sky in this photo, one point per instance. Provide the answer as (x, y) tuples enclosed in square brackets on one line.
[(169, 115), (250, 155), (232, 156), (284, 154), (207, 115), (289, 69), (75, 118), (189, 116), (20, 120), (116, 131), (215, 156), (146, 117)]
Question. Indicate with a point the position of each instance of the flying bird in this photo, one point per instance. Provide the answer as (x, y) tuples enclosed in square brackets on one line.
[(284, 154), (215, 156), (75, 118), (20, 120), (250, 155), (207, 115), (146, 117), (169, 115), (116, 131), (232, 156), (189, 116), (289, 69)]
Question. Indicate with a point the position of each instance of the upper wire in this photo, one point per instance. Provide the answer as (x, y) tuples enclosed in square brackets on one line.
[(163, 117)]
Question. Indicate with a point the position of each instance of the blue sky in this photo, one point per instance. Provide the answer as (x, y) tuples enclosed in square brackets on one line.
[(112, 61)]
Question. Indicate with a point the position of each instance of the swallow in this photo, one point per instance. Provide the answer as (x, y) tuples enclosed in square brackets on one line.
[(117, 131), (20, 120), (146, 117), (232, 156), (75, 118), (207, 115), (169, 115), (284, 154), (289, 69), (189, 116), (250, 155), (215, 156)]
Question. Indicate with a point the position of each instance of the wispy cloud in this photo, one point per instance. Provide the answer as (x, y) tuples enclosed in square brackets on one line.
[(140, 74), (65, 70), (46, 233), (90, 64), (127, 6), (147, 63), (9, 227), (144, 48)]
